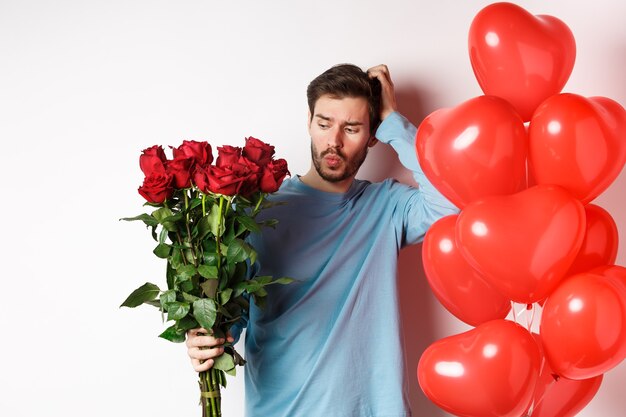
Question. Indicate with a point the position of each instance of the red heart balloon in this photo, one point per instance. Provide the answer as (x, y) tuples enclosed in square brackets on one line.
[(520, 57), (578, 143), (490, 370), (459, 287), (600, 243), (524, 243), (474, 150), (617, 275), (583, 326), (558, 396)]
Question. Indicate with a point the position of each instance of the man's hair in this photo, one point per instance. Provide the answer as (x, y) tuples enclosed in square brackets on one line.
[(347, 80)]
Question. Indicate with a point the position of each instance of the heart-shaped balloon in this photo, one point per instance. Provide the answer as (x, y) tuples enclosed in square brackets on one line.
[(583, 326), (524, 243), (557, 396), (460, 288), (474, 150), (520, 57), (600, 243), (578, 143), (490, 370), (617, 275)]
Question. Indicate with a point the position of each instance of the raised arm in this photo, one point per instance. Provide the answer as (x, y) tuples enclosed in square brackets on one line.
[(427, 204)]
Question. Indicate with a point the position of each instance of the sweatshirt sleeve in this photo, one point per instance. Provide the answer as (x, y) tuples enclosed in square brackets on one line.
[(422, 206)]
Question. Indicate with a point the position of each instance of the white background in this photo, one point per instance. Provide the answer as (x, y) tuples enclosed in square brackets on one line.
[(86, 85)]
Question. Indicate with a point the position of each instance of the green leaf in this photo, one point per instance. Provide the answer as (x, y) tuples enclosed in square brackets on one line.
[(249, 223), (224, 362), (261, 292), (251, 286), (147, 292), (187, 323), (173, 334), (185, 272), (265, 279), (214, 220), (205, 312), (167, 297), (189, 297), (161, 215), (146, 218), (283, 281), (154, 303), (163, 235), (270, 223), (173, 218), (225, 295), (170, 273), (209, 287), (208, 271), (187, 286), (177, 310), (203, 227), (238, 251), (209, 258), (162, 250), (195, 202)]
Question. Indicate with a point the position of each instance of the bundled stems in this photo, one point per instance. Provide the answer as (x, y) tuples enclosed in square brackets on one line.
[(210, 393)]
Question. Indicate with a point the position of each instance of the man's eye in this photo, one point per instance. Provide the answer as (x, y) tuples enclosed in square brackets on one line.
[(351, 130), (322, 126)]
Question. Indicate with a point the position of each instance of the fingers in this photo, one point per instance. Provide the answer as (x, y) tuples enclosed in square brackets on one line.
[(200, 337), (388, 96), (202, 366), (202, 348), (202, 354), (381, 72)]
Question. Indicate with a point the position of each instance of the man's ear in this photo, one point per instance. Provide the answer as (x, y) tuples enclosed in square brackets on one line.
[(373, 141), (308, 121)]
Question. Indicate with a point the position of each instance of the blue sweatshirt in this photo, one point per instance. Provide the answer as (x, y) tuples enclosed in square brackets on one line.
[(329, 345)]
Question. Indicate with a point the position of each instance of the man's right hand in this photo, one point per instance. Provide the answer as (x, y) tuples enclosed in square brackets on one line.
[(203, 348)]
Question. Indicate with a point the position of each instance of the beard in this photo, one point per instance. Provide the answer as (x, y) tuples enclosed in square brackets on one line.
[(348, 168)]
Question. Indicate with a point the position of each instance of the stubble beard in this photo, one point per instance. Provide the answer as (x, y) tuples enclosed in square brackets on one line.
[(348, 169)]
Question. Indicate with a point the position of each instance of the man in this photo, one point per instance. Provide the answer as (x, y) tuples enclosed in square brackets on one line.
[(329, 344)]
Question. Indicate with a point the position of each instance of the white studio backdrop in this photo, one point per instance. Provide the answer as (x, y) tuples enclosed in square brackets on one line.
[(86, 85)]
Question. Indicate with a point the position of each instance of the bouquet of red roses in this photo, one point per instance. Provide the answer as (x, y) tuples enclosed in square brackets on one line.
[(203, 212)]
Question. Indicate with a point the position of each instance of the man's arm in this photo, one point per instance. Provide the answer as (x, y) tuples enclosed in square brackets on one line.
[(427, 205)]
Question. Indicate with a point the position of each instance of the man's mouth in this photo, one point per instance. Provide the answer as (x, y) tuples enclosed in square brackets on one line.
[(332, 158)]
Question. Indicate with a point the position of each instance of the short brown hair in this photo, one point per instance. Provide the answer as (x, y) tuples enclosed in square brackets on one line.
[(347, 80)]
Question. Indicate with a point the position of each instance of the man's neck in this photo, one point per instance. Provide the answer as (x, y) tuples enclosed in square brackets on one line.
[(313, 180)]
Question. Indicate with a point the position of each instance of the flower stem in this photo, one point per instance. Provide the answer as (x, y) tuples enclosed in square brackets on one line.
[(219, 230), (258, 204)]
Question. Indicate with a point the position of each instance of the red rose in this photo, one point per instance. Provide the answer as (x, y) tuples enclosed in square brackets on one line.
[(227, 155), (157, 187), (258, 151), (217, 180), (152, 160), (200, 152), (273, 175), (250, 174), (200, 179), (180, 168)]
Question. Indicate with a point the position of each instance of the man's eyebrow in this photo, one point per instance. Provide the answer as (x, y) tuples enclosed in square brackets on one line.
[(321, 116), (348, 123)]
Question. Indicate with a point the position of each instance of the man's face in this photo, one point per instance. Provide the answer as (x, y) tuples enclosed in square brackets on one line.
[(340, 136)]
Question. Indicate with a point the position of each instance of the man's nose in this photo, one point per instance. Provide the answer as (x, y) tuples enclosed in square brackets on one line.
[(335, 138)]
